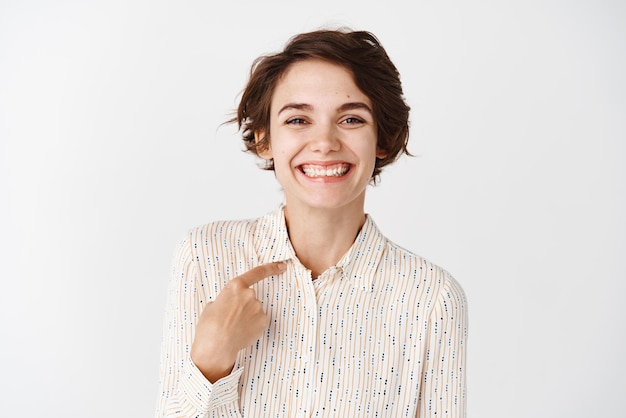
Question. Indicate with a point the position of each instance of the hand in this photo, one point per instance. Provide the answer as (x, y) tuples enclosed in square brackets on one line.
[(233, 321)]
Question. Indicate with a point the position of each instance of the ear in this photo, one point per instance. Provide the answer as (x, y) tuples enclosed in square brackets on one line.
[(381, 153), (266, 151)]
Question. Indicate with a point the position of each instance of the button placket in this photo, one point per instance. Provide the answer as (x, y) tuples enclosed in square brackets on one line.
[(309, 344), (304, 344)]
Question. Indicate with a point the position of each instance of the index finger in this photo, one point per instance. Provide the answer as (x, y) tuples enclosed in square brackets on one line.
[(259, 273)]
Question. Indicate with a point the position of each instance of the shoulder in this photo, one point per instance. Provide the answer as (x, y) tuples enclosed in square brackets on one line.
[(420, 271), (211, 234), (222, 229), (212, 253), (408, 261), (215, 235)]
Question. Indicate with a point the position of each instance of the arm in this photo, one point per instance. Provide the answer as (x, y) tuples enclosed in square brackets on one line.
[(183, 389), (442, 390), (201, 339)]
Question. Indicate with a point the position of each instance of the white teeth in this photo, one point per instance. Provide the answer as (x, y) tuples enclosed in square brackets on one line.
[(337, 171)]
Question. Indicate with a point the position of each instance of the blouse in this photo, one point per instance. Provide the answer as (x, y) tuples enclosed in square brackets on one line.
[(381, 334)]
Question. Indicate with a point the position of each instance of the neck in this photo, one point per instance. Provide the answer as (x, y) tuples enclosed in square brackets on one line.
[(321, 237)]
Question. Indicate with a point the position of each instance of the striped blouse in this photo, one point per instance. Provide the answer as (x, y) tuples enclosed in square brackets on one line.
[(380, 334)]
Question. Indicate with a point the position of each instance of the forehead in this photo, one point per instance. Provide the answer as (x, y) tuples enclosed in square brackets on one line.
[(317, 83)]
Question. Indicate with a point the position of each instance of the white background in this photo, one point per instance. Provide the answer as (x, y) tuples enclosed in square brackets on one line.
[(111, 148)]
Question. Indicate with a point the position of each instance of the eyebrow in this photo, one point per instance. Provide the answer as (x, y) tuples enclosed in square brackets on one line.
[(342, 108), (295, 106), (354, 105)]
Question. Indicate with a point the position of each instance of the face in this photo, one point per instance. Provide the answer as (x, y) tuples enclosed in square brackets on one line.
[(322, 137)]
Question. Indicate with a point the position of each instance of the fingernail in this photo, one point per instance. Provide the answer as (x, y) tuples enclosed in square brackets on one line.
[(281, 266)]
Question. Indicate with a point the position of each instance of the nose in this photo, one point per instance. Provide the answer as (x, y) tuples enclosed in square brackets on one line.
[(326, 138)]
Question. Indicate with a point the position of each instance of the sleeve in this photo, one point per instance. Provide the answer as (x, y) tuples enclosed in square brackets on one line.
[(183, 389), (442, 390)]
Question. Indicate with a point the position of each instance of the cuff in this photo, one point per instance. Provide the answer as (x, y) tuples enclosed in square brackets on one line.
[(204, 395)]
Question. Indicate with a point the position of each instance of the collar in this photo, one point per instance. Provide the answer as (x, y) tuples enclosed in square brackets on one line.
[(359, 264)]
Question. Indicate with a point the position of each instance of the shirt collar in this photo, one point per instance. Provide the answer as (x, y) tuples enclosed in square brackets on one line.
[(360, 263), (271, 240)]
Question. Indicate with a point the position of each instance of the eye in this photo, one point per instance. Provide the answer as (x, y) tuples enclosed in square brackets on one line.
[(295, 121), (351, 120)]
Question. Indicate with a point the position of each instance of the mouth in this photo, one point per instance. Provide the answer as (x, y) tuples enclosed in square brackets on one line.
[(317, 171)]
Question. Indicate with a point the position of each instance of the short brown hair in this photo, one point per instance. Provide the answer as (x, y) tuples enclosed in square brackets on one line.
[(358, 51)]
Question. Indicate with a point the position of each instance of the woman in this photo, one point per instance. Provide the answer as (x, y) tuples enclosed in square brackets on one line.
[(310, 310)]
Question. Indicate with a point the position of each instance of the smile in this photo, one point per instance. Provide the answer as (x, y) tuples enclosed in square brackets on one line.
[(335, 170)]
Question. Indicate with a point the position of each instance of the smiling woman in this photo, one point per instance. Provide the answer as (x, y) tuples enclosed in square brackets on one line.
[(310, 310), (323, 140)]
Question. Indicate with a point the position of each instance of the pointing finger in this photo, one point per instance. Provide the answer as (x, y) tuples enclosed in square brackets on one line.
[(259, 273)]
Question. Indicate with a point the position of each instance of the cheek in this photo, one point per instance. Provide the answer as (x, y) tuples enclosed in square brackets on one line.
[(368, 152), (282, 162)]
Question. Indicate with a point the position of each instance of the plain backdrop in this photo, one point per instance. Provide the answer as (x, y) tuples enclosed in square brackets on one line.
[(112, 147)]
